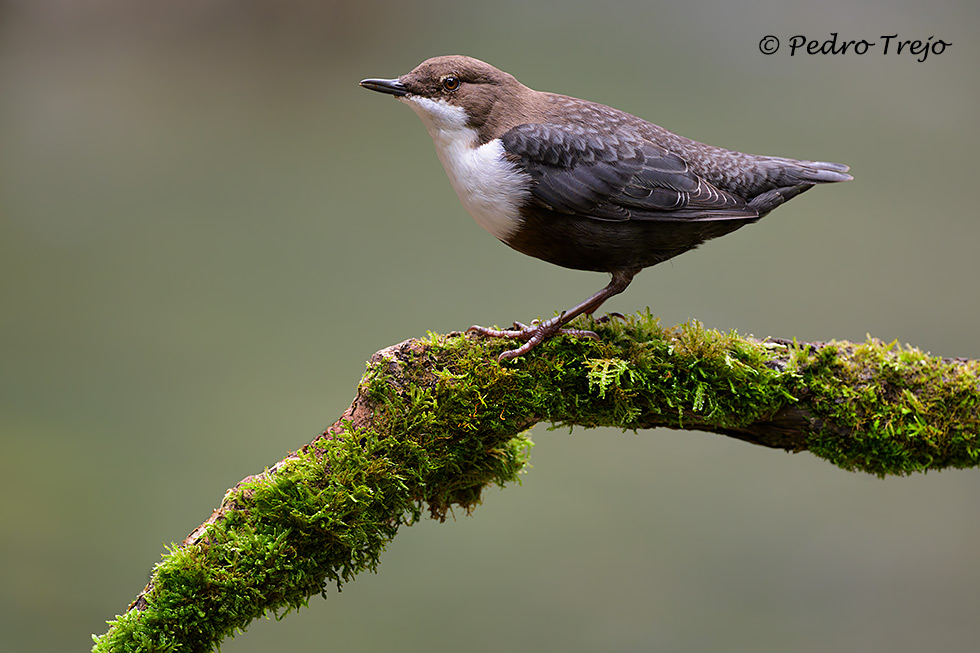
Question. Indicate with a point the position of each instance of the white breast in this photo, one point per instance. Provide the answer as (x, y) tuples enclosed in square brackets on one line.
[(490, 187)]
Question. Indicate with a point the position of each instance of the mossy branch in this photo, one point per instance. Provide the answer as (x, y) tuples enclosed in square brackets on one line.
[(435, 421)]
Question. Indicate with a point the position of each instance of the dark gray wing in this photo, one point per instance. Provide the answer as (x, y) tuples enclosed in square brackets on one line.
[(578, 170)]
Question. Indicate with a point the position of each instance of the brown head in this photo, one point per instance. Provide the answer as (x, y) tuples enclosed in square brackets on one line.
[(449, 89)]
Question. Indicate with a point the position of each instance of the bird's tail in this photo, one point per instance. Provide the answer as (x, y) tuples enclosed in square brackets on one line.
[(812, 172), (770, 199), (793, 177)]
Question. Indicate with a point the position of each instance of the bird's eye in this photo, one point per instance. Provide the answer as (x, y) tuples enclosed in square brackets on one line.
[(450, 82)]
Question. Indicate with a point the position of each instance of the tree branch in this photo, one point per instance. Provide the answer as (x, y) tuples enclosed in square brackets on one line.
[(436, 421)]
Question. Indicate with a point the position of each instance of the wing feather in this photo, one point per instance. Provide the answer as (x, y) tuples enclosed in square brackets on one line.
[(578, 170)]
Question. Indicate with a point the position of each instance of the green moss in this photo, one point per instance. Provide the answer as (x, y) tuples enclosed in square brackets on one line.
[(639, 372), (447, 421), (892, 410)]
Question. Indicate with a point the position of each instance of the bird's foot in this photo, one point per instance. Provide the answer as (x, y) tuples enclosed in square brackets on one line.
[(532, 334), (609, 317)]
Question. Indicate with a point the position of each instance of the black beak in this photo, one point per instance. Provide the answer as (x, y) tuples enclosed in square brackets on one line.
[(389, 86)]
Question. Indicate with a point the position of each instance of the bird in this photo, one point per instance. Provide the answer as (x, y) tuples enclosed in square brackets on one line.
[(583, 185)]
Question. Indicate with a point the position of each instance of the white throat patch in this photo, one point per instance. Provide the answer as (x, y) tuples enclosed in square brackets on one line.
[(491, 188)]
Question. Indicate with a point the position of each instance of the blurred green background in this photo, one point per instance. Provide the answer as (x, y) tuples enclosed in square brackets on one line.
[(207, 227)]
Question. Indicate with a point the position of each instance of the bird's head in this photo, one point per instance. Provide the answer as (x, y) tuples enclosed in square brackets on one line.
[(452, 93)]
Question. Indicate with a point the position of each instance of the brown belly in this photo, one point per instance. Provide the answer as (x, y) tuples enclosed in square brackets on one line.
[(604, 246)]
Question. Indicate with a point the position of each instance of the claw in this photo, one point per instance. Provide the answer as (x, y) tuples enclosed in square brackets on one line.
[(532, 335), (490, 333), (579, 333), (538, 331), (608, 317)]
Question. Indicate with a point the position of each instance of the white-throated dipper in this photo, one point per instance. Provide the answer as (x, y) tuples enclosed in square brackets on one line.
[(583, 185)]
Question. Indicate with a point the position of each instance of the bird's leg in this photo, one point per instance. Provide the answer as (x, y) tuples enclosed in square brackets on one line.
[(538, 331)]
